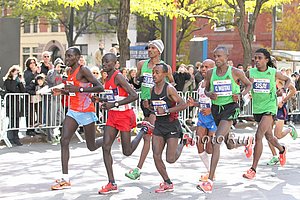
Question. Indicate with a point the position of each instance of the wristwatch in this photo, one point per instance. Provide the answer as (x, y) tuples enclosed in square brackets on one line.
[(81, 89), (116, 104)]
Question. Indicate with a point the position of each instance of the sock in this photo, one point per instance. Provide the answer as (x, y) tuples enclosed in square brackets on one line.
[(253, 169), (66, 177), (112, 182), (168, 181), (205, 159), (281, 152)]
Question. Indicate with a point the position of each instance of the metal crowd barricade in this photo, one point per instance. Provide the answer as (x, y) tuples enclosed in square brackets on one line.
[(19, 112)]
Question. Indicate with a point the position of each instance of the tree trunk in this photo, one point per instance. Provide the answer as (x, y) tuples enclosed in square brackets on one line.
[(124, 13)]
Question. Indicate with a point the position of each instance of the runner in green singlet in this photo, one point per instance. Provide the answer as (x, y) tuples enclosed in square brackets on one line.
[(144, 77), (264, 101), (222, 88)]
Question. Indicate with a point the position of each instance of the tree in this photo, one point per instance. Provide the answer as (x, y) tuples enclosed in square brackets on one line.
[(240, 9), (288, 30), (86, 16), (124, 13)]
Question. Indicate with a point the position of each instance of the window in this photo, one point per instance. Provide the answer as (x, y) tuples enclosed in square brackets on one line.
[(279, 11), (35, 52), (83, 48), (35, 25), (225, 18), (26, 53), (54, 26), (26, 27)]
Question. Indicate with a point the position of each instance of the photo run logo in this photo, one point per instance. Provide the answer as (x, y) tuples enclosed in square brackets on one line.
[(231, 139)]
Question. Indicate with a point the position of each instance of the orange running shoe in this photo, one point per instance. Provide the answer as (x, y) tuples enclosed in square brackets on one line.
[(109, 188), (188, 140), (250, 174), (164, 187), (206, 187), (204, 178), (282, 157), (248, 147), (61, 184)]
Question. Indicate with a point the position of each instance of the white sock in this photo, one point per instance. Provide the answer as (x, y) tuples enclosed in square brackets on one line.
[(66, 177), (205, 159)]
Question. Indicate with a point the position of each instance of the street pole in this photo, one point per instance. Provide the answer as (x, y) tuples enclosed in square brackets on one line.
[(71, 27), (274, 28)]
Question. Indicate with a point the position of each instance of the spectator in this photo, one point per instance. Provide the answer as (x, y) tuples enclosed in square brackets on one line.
[(249, 67), (240, 66), (33, 89), (197, 74), (99, 54), (131, 76), (103, 77), (46, 64), (124, 73), (230, 63), (55, 109), (190, 84), (96, 73), (82, 61), (31, 71), (180, 77), (14, 83)]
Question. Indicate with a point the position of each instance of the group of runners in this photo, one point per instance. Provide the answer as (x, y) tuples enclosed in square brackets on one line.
[(218, 105)]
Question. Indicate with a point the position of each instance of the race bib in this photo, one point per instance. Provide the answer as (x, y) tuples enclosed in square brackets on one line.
[(261, 86), (111, 95), (204, 102), (161, 104), (222, 87), (148, 80)]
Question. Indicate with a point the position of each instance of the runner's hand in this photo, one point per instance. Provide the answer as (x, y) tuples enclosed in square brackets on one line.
[(190, 101), (236, 97), (206, 111)]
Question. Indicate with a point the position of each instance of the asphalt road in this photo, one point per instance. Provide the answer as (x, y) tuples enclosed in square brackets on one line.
[(27, 172)]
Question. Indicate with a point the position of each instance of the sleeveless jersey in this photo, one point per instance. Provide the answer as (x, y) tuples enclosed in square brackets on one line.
[(162, 100), (264, 98), (204, 102), (147, 83), (115, 93), (80, 102), (225, 86)]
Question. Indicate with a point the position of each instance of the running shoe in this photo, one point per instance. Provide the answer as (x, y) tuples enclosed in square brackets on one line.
[(282, 157), (293, 133), (250, 174), (206, 187), (164, 187), (133, 174), (61, 184), (273, 161), (109, 188), (188, 140), (204, 178), (248, 147)]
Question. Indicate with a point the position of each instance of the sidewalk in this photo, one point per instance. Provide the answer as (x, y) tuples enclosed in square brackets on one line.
[(27, 172)]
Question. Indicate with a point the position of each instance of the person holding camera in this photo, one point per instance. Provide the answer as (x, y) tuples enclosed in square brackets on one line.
[(14, 83)]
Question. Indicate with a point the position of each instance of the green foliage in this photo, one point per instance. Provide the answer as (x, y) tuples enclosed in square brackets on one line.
[(288, 30)]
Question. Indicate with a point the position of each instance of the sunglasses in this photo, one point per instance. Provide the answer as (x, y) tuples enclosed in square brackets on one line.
[(95, 73), (46, 56), (32, 62)]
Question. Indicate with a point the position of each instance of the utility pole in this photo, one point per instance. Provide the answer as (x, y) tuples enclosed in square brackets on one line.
[(71, 27), (274, 28)]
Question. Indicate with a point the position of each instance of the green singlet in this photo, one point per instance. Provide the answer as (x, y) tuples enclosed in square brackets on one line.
[(264, 98), (225, 86)]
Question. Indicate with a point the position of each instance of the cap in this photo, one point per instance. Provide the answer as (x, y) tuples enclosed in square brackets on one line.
[(58, 61), (158, 44)]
